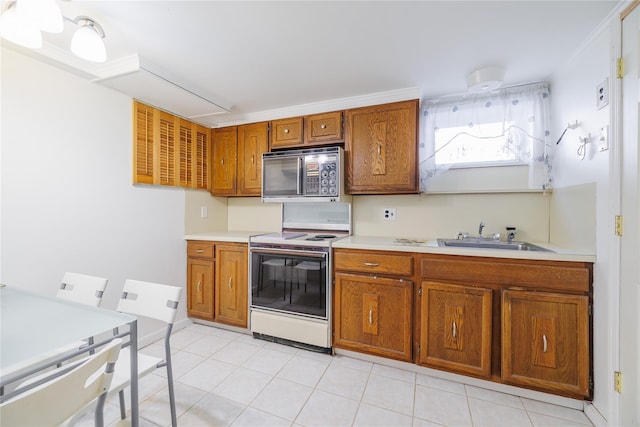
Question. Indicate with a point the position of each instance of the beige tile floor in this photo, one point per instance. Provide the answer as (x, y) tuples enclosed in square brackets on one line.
[(224, 378)]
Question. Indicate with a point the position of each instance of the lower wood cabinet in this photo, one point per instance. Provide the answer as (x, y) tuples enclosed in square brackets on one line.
[(456, 326), (373, 315), (217, 281), (231, 284), (545, 341)]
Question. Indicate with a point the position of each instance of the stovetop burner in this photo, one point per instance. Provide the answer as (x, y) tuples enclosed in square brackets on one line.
[(325, 236)]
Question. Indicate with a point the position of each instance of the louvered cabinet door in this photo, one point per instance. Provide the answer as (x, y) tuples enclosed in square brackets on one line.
[(231, 303), (201, 159), (185, 148), (143, 143), (545, 341), (223, 161), (166, 159), (456, 328), (253, 140)]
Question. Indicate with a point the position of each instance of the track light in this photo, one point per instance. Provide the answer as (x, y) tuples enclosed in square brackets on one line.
[(87, 41), (23, 20)]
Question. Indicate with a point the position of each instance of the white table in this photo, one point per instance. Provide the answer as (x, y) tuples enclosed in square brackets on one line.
[(37, 332)]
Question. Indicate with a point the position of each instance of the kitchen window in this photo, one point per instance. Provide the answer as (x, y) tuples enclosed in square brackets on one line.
[(508, 127)]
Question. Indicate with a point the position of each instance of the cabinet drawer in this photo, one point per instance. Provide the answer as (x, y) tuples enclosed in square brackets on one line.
[(327, 127), (371, 262), (200, 249), (568, 276), (286, 132)]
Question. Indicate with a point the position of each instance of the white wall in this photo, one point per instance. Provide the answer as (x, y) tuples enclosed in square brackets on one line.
[(68, 203), (573, 96)]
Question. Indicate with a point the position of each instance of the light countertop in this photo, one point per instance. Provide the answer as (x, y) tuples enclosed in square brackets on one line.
[(431, 246)]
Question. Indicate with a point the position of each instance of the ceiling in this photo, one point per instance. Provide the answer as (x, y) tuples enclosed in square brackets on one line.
[(257, 57)]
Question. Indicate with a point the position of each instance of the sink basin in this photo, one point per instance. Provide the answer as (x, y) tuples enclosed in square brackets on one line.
[(479, 243)]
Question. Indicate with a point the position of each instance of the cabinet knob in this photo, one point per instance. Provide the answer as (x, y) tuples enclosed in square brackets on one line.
[(323, 126), (286, 131)]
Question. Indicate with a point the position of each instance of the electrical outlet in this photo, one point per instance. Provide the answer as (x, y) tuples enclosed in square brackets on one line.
[(389, 214), (602, 94)]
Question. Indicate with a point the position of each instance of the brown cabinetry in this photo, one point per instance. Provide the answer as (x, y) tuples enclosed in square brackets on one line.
[(381, 147), (237, 159), (169, 150), (200, 270), (231, 284), (545, 341), (311, 130), (217, 281), (373, 314), (456, 328)]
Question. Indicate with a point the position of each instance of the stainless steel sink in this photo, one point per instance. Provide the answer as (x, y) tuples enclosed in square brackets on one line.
[(481, 243)]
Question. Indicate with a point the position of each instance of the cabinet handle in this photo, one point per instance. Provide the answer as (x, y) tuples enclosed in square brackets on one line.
[(222, 161), (253, 161), (323, 126), (544, 343), (371, 264), (454, 330), (379, 150), (200, 251), (370, 314), (286, 131), (198, 286), (230, 279)]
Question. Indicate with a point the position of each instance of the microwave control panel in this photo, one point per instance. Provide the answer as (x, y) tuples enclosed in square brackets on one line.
[(321, 176)]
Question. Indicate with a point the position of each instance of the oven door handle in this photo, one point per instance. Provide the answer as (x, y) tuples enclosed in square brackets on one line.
[(285, 252)]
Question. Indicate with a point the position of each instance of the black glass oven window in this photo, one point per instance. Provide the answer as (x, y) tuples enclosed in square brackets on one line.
[(289, 283)]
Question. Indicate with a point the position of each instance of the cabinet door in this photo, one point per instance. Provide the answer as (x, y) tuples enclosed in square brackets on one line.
[(456, 328), (252, 142), (381, 149), (545, 341), (286, 132), (373, 315), (186, 148), (166, 159), (231, 284), (224, 161), (200, 288), (201, 158), (143, 138), (323, 128)]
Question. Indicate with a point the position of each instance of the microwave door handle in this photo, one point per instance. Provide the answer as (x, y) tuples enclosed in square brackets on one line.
[(300, 175)]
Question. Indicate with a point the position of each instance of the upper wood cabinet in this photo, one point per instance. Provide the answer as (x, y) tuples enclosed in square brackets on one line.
[(237, 159), (169, 150), (224, 158), (381, 148), (315, 129), (253, 140)]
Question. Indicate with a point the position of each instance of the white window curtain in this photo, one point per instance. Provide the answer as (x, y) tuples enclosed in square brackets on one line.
[(524, 114)]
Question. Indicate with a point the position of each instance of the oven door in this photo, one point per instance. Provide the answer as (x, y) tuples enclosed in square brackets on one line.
[(290, 281)]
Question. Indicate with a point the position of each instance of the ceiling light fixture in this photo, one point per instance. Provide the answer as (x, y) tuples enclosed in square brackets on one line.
[(485, 80), (23, 20), (18, 29), (45, 14), (87, 41)]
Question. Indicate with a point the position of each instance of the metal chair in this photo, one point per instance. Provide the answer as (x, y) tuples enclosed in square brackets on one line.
[(63, 393), (158, 302), (82, 288)]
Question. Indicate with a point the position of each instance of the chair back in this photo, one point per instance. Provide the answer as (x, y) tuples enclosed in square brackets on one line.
[(55, 401), (82, 288), (148, 299)]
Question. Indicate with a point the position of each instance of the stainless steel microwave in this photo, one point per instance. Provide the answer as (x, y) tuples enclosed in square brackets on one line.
[(308, 175)]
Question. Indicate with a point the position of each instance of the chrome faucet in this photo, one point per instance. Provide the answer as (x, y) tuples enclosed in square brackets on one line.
[(480, 228)]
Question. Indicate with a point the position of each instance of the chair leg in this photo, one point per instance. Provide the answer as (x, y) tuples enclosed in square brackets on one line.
[(99, 414), (123, 409), (172, 398)]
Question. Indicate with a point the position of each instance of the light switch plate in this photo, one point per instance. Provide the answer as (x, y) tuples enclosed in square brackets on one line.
[(603, 139)]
